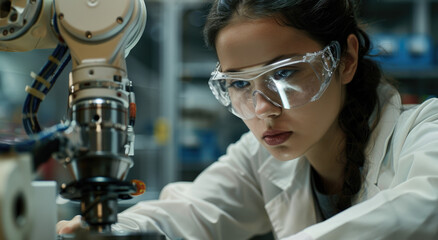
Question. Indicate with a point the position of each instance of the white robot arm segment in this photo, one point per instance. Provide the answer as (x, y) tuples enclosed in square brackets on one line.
[(26, 25)]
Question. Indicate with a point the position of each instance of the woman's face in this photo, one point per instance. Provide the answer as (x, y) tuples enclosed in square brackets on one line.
[(286, 133)]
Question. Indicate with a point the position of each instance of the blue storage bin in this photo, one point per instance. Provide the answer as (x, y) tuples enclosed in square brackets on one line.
[(414, 52), (205, 149), (387, 49)]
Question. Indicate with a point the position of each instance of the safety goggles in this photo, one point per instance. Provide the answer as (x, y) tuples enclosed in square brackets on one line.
[(288, 83)]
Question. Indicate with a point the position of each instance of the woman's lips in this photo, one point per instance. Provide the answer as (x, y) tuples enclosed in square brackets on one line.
[(276, 137)]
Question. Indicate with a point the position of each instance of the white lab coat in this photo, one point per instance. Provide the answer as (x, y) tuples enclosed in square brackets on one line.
[(247, 191)]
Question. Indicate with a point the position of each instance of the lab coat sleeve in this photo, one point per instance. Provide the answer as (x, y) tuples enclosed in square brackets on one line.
[(224, 202), (408, 207)]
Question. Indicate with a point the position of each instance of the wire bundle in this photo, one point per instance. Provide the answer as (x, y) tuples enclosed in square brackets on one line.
[(42, 84), (27, 145)]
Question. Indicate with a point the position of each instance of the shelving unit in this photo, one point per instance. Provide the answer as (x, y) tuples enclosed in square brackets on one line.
[(198, 128), (405, 27), (205, 127)]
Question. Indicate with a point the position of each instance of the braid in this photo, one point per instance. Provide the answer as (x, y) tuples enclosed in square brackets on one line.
[(361, 101)]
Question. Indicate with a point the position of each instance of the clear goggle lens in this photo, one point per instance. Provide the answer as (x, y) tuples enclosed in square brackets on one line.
[(288, 83)]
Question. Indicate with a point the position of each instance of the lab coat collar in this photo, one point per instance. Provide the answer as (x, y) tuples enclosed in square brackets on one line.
[(293, 208), (390, 103), (280, 173)]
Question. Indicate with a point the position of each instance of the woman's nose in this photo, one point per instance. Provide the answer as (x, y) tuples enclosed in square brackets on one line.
[(264, 107)]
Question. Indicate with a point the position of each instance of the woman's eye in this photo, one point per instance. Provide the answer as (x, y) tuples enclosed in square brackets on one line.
[(282, 74), (239, 84)]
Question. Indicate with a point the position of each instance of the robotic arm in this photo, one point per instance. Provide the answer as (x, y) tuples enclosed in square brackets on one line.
[(99, 34)]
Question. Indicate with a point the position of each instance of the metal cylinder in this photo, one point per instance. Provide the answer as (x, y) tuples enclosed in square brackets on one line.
[(103, 124), (99, 211)]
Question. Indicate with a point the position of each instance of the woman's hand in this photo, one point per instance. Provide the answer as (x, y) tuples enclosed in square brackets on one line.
[(66, 227)]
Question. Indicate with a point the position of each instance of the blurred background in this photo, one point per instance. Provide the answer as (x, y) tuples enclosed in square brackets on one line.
[(180, 127)]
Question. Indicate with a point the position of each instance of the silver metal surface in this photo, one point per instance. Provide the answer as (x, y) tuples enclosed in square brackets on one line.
[(96, 84), (103, 126), (102, 166), (99, 211)]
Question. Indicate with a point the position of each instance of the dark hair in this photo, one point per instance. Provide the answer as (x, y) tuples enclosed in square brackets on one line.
[(324, 21)]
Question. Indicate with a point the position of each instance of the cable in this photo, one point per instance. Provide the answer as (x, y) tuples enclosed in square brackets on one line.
[(27, 145), (42, 84)]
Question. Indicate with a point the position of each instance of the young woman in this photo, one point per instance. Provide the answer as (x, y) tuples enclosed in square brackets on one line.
[(330, 154)]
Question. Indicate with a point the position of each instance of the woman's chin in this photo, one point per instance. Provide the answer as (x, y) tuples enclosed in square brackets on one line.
[(284, 156)]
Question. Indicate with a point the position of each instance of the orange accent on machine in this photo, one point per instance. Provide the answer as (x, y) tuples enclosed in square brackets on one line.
[(132, 110), (140, 186)]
